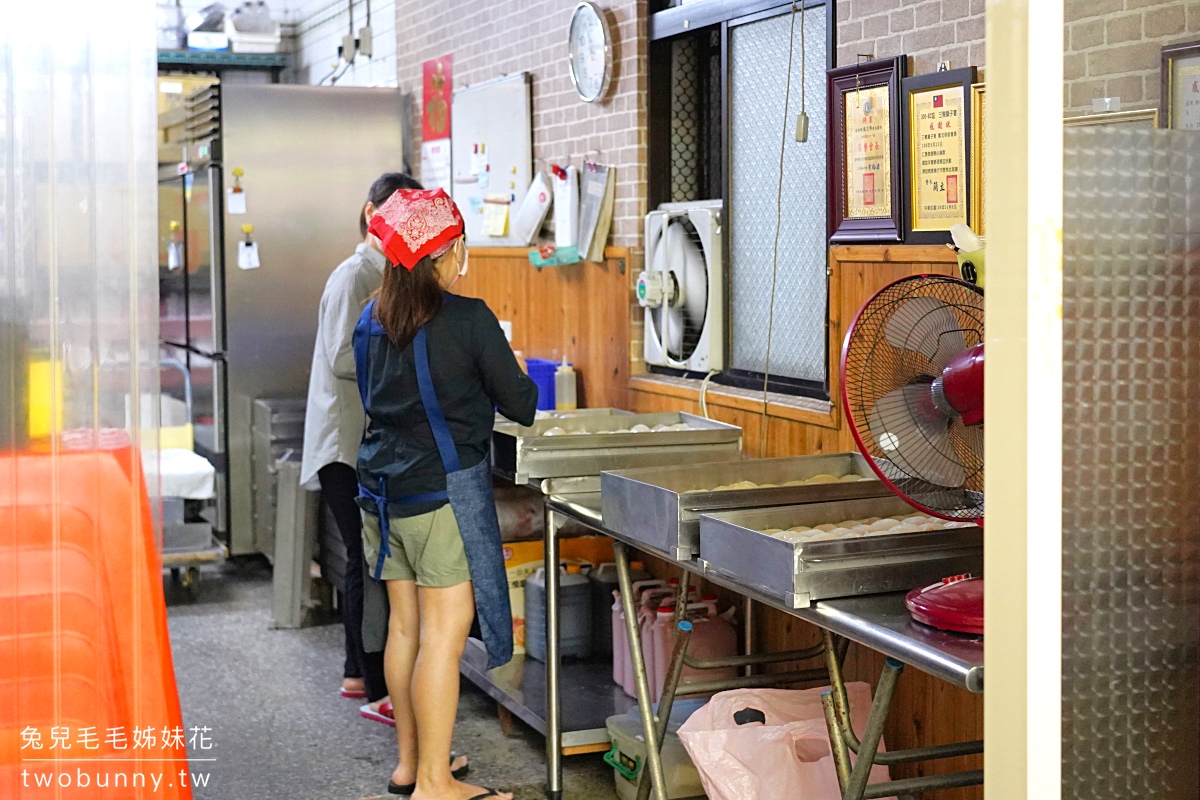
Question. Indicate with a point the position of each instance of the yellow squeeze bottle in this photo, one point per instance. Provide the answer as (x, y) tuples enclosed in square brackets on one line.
[(564, 387)]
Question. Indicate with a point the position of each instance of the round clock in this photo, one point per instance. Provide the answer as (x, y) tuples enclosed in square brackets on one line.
[(590, 52)]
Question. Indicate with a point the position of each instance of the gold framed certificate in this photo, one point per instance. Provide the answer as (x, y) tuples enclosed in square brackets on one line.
[(978, 147), (1180, 103), (938, 130), (864, 178)]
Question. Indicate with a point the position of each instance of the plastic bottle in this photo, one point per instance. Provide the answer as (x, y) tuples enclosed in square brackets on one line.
[(574, 614), (564, 386), (604, 583), (661, 641), (713, 636), (622, 665), (647, 612)]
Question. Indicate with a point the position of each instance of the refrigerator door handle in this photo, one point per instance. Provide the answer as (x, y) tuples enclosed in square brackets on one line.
[(216, 195)]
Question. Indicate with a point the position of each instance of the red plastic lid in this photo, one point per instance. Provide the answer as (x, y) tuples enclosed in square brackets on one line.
[(952, 604), (709, 596), (666, 609)]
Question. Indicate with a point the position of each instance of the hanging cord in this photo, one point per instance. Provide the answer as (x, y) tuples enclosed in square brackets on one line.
[(704, 393), (787, 94)]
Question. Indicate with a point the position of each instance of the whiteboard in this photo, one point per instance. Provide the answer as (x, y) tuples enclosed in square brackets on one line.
[(491, 124)]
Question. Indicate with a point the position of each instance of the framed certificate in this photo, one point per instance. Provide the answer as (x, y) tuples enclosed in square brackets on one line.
[(978, 147), (865, 196), (937, 135), (1147, 119), (1180, 104)]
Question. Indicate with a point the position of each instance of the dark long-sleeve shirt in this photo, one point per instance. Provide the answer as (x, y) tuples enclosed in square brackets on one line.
[(474, 373)]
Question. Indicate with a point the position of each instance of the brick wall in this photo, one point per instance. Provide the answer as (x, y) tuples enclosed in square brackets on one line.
[(1111, 47), (505, 36), (929, 31)]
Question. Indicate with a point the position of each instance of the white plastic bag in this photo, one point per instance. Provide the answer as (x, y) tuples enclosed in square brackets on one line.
[(788, 755)]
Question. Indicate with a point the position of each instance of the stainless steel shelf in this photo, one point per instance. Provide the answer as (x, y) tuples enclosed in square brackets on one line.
[(880, 622), (589, 697), (221, 59)]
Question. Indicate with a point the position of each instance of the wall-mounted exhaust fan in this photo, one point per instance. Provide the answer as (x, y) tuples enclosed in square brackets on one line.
[(682, 287)]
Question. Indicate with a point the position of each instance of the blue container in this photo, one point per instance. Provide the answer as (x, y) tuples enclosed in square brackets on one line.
[(542, 372)]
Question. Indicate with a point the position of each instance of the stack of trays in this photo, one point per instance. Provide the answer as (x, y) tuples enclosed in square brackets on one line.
[(585, 446), (798, 573), (661, 507)]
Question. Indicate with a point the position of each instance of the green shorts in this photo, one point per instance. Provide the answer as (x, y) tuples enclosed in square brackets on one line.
[(427, 548)]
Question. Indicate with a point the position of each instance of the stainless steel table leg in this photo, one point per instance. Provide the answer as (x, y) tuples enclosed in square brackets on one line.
[(748, 635), (649, 729), (553, 660), (683, 633), (869, 746)]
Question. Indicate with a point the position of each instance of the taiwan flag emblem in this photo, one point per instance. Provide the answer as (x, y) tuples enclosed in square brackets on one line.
[(937, 101)]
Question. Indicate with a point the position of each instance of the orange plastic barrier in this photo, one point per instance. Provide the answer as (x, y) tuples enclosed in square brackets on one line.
[(88, 703)]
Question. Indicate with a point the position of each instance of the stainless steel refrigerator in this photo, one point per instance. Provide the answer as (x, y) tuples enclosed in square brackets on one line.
[(294, 163)]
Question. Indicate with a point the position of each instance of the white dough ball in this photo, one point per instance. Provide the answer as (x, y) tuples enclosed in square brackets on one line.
[(851, 478), (555, 431), (884, 524), (825, 528)]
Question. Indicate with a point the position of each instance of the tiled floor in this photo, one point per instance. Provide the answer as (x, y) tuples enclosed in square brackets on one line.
[(279, 727)]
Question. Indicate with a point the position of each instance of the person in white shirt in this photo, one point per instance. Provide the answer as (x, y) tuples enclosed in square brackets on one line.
[(333, 429)]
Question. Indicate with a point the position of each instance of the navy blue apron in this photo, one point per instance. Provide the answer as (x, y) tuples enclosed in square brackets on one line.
[(469, 492)]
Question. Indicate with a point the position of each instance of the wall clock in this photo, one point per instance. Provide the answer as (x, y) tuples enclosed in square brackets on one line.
[(590, 52)]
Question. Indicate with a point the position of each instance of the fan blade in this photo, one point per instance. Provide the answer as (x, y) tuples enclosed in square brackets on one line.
[(914, 436), (673, 322), (928, 326), (693, 275)]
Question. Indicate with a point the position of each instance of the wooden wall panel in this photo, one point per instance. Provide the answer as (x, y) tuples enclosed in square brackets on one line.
[(581, 310), (585, 310), (925, 711)]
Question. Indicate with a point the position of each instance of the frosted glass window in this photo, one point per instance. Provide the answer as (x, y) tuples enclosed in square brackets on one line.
[(758, 57)]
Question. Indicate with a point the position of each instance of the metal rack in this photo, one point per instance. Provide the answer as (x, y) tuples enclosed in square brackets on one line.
[(879, 622)]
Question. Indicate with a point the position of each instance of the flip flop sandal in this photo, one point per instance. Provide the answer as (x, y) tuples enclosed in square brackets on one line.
[(487, 794), (407, 789), (353, 694), (384, 714)]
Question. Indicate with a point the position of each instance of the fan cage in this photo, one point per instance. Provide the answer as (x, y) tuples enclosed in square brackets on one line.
[(872, 367), (690, 338)]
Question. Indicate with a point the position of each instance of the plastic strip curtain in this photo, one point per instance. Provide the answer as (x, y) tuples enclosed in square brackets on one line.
[(84, 654)]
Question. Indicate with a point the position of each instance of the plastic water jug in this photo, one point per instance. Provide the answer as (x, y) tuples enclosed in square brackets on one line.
[(620, 640), (647, 608), (604, 582), (660, 641), (713, 636), (574, 614)]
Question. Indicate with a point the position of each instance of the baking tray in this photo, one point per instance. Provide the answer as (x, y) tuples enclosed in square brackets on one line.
[(799, 574), (525, 455), (575, 412), (661, 507)]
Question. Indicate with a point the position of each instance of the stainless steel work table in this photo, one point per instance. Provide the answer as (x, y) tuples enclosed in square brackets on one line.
[(578, 697), (880, 622)]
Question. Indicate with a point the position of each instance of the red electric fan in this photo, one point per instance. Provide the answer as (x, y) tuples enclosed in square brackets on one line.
[(912, 389)]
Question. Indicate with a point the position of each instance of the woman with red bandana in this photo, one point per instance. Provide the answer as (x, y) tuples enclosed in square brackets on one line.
[(432, 369)]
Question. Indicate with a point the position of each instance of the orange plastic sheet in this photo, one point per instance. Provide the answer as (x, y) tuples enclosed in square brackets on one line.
[(88, 702)]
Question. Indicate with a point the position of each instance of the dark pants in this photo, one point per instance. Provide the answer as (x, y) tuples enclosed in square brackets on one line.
[(339, 488)]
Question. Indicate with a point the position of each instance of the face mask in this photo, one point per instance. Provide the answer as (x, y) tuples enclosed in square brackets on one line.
[(462, 268)]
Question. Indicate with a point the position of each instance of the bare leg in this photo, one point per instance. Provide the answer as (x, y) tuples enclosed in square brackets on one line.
[(399, 656), (446, 615)]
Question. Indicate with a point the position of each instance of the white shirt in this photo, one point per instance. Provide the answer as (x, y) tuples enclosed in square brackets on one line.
[(334, 419)]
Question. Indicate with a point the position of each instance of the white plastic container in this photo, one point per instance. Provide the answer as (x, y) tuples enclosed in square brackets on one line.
[(574, 614), (628, 754), (252, 42), (604, 583)]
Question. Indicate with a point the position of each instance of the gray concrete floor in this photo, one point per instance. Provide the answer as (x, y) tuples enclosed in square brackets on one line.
[(279, 727)]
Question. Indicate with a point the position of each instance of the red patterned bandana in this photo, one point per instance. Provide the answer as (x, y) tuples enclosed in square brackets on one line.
[(413, 224)]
